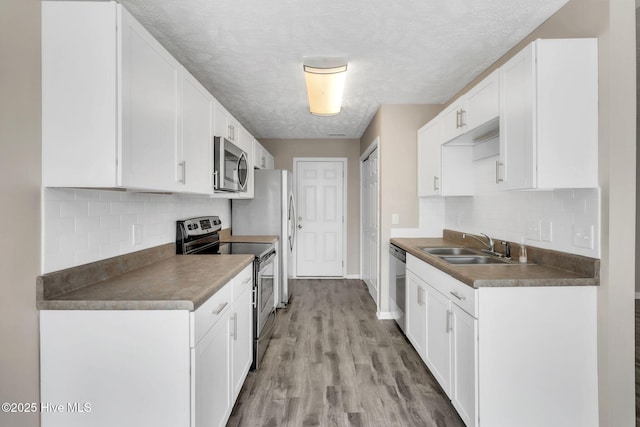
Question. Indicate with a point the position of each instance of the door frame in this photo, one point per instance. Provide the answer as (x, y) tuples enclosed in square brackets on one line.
[(367, 152), (345, 211)]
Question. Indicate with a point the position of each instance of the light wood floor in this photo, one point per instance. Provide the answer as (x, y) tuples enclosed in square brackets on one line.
[(331, 362)]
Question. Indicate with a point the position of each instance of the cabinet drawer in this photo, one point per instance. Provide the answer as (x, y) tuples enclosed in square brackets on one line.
[(243, 281), (212, 310), (461, 294)]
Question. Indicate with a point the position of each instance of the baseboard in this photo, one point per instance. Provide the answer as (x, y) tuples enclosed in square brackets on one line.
[(385, 315), (352, 276)]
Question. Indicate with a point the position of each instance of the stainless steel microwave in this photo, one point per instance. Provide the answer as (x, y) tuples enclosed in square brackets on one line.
[(230, 166)]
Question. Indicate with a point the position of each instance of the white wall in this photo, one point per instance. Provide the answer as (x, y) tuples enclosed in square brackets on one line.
[(20, 159), (82, 226)]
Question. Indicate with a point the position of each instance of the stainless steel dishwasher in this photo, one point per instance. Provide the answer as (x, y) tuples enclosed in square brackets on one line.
[(397, 283)]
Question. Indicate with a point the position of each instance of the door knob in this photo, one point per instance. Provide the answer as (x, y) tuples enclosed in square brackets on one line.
[(299, 225)]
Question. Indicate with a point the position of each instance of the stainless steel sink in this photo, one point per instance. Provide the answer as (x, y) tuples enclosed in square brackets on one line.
[(472, 259), (449, 251)]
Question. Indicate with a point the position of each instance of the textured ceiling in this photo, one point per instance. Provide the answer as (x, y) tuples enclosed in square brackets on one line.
[(248, 53)]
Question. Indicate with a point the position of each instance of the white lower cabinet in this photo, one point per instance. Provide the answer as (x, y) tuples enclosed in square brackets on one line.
[(507, 356), (439, 327), (135, 368), (416, 313), (212, 376), (464, 364)]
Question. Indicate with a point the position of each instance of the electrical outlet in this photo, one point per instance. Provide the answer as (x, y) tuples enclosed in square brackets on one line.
[(395, 219), (533, 230), (583, 236), (136, 234), (546, 231)]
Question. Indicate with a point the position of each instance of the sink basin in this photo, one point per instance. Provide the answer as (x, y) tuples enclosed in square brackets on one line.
[(448, 251), (472, 260)]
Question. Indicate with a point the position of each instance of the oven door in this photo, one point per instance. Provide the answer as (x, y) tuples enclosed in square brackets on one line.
[(230, 166), (264, 311), (265, 292)]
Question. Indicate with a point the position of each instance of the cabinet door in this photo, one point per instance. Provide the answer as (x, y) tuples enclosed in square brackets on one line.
[(150, 83), (515, 169), (438, 349), (220, 124), (464, 362), (269, 160), (241, 340), (453, 120), (258, 155), (194, 166), (416, 313), (212, 376), (483, 101), (429, 146)]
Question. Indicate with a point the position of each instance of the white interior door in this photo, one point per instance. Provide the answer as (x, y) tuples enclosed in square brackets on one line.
[(320, 222), (369, 218)]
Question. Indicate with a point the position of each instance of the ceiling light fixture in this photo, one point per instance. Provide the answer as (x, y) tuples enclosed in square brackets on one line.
[(325, 83)]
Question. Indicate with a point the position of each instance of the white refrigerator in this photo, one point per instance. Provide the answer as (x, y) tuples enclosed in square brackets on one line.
[(272, 211)]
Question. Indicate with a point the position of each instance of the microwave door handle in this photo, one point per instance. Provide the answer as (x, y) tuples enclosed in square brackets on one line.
[(243, 184)]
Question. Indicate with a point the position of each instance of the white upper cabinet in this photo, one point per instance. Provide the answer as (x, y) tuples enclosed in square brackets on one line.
[(195, 149), (453, 120), (150, 81), (549, 116), (443, 170), (473, 114), (263, 159), (429, 143), (483, 102), (111, 98), (118, 111)]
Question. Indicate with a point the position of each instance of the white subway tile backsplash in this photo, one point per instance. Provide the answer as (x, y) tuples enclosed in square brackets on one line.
[(87, 195), (99, 208), (509, 214), (87, 224), (119, 208), (82, 226)]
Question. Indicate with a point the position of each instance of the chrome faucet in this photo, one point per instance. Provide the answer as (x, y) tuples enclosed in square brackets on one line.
[(489, 243)]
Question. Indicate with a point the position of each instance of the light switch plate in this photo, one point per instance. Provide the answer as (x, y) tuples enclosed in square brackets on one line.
[(395, 219), (583, 235)]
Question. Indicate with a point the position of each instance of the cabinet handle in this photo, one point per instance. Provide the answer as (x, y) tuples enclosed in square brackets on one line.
[(462, 121), (215, 180), (234, 331), (220, 308), (420, 296), (449, 321), (498, 178), (255, 302), (457, 119), (183, 165), (457, 295), (436, 180)]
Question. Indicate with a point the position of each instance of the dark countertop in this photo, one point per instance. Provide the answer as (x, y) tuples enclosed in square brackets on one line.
[(502, 275), (175, 282)]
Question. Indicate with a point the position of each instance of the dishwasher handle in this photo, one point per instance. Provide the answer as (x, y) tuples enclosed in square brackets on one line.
[(398, 253)]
